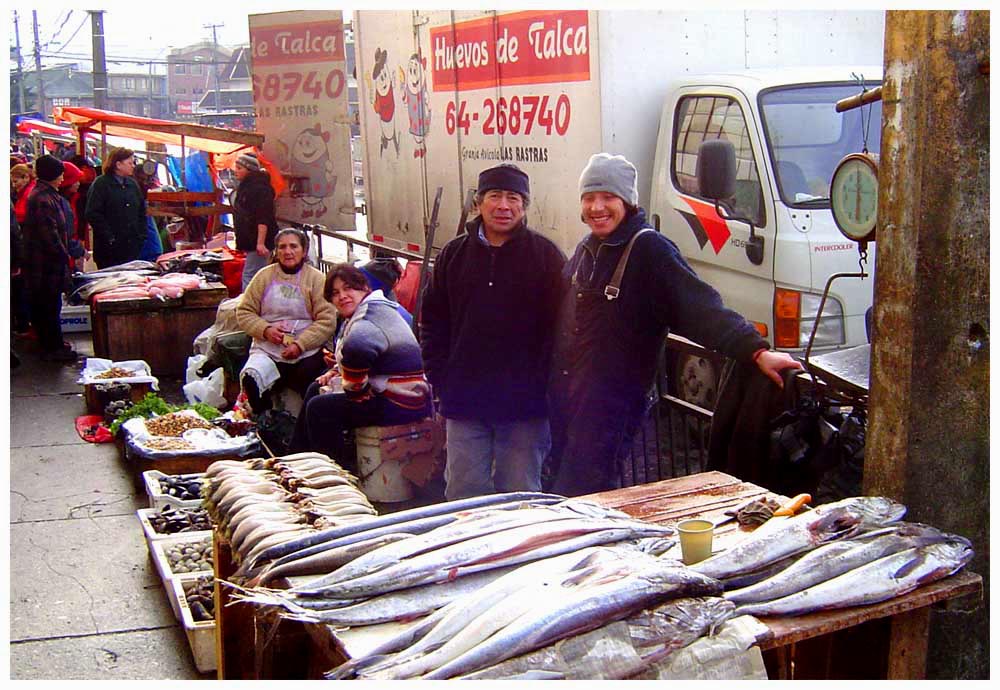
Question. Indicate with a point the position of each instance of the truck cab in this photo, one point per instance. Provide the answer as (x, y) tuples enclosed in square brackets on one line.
[(788, 140)]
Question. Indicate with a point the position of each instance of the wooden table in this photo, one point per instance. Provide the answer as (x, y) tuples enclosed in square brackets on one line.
[(887, 640), (158, 332)]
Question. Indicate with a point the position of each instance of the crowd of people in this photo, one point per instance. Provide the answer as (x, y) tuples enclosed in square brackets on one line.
[(528, 357)]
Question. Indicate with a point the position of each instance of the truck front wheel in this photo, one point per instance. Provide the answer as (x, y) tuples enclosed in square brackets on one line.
[(697, 381)]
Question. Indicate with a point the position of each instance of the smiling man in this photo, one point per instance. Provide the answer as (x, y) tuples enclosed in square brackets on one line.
[(627, 286), (487, 324)]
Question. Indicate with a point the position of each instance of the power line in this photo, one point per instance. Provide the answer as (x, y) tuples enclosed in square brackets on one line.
[(69, 14), (70, 39)]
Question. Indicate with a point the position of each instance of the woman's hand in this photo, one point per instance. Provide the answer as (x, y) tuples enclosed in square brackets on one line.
[(262, 250), (292, 351), (329, 359), (327, 376), (275, 335)]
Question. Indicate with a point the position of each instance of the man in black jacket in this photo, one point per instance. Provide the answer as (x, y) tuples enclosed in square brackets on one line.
[(253, 215), (487, 323)]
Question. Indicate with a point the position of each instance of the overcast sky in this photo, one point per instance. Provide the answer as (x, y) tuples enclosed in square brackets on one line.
[(138, 30)]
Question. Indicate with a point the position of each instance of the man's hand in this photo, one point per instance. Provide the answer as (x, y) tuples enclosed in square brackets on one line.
[(773, 363)]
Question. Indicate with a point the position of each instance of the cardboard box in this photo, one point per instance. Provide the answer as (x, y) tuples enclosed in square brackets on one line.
[(75, 319)]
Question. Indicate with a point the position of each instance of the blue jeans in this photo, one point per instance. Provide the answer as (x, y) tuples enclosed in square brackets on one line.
[(254, 262), (487, 457)]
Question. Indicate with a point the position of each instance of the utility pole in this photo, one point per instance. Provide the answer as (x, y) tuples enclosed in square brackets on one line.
[(38, 65), (100, 66), (20, 67), (215, 57)]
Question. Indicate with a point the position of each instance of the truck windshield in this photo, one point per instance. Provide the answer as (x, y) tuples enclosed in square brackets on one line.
[(807, 137)]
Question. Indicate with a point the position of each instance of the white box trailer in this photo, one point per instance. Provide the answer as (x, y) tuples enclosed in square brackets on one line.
[(446, 94)]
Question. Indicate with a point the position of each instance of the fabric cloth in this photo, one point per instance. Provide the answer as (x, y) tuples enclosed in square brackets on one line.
[(45, 306), (262, 369), (506, 176), (612, 174), (152, 247), (309, 282), (254, 205), (46, 234), (296, 376), (252, 263), (485, 457), (21, 202), (605, 355), (487, 323), (116, 210), (48, 168)]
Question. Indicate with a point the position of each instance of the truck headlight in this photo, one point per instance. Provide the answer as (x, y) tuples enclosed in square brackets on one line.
[(794, 315)]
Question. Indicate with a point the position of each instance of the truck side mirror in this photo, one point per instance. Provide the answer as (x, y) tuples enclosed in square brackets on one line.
[(716, 172)]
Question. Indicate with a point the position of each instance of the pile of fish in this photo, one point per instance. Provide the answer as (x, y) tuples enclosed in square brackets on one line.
[(259, 503), (529, 608), (136, 285), (408, 564), (850, 553)]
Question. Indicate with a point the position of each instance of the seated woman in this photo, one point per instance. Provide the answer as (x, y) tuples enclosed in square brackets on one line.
[(283, 309), (377, 378)]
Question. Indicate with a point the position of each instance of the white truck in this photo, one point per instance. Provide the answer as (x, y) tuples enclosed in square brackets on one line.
[(446, 94)]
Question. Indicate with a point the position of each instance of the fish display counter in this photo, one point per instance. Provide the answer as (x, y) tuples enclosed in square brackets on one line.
[(534, 585)]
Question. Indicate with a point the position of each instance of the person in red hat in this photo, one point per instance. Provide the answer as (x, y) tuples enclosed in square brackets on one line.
[(70, 191)]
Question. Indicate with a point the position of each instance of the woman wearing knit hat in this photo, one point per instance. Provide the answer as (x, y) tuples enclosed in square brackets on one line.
[(628, 287), (46, 259), (116, 210), (69, 189), (253, 214)]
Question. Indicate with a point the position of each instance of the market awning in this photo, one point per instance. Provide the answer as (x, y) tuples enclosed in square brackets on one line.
[(216, 140), (29, 125)]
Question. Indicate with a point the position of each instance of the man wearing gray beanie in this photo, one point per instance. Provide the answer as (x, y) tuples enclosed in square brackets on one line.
[(628, 286), (487, 321)]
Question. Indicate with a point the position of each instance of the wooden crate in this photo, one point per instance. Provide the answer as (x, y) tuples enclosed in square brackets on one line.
[(90, 396), (159, 332)]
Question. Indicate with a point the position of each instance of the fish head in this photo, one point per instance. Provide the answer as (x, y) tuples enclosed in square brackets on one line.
[(873, 510), (834, 524), (938, 560)]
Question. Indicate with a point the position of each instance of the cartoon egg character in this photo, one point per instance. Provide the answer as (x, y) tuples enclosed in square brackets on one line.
[(384, 100), (311, 162), (418, 105)]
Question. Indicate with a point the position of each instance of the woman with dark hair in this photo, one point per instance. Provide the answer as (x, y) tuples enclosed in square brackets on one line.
[(116, 210), (283, 309), (378, 376)]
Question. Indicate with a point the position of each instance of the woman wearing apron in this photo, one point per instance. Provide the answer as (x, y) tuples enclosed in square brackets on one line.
[(627, 286), (284, 311)]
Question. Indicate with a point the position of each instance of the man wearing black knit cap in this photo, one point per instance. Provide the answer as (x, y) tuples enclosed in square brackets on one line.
[(46, 232), (487, 324), (253, 214)]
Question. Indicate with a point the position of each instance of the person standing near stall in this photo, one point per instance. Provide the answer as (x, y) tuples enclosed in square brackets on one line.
[(22, 183), (626, 288), (116, 210), (486, 324), (46, 232), (253, 215)]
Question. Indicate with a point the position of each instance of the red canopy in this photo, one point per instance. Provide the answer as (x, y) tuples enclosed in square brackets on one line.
[(216, 140)]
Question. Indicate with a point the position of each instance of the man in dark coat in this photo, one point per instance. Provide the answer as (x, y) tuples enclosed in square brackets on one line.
[(253, 215), (116, 210), (487, 322), (48, 227), (609, 336)]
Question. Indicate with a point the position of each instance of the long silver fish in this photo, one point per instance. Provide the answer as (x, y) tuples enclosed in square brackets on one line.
[(589, 608), (508, 547), (460, 632), (654, 634), (837, 558), (780, 538), (885, 578)]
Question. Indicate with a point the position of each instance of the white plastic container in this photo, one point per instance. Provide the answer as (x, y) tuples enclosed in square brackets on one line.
[(158, 499), (158, 550), (200, 634), (144, 515), (75, 318)]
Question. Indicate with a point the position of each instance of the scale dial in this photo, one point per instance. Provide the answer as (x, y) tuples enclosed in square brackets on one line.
[(854, 196)]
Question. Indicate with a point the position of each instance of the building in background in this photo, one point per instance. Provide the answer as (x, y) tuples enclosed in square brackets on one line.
[(192, 72), (135, 93)]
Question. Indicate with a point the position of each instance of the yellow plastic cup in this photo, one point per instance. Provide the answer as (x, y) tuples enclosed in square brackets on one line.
[(696, 540)]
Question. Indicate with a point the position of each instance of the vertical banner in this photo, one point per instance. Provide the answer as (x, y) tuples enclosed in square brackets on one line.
[(449, 94), (299, 72)]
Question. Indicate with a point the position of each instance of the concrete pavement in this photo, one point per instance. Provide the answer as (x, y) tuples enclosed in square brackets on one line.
[(86, 601)]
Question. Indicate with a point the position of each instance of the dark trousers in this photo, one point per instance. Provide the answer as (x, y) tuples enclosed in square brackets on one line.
[(326, 418), (294, 375), (20, 310), (45, 306)]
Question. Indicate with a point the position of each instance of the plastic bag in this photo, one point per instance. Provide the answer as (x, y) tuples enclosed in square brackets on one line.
[(208, 390), (193, 365)]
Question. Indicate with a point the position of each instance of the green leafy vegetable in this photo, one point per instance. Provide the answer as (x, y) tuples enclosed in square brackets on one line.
[(153, 405)]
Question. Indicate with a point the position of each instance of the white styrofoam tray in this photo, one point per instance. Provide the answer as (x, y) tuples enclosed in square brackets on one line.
[(158, 499), (158, 550), (200, 634), (144, 515)]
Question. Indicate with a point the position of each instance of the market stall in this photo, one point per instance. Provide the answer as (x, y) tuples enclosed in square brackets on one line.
[(254, 641)]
